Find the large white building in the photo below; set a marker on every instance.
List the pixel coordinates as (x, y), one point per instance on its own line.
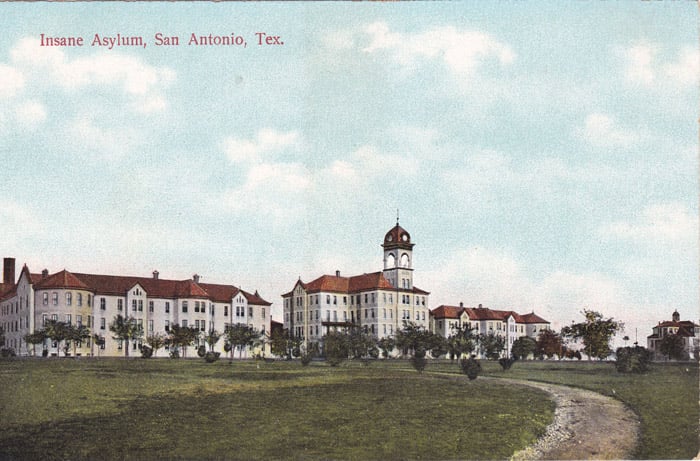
(507, 324)
(378, 302)
(95, 300)
(686, 329)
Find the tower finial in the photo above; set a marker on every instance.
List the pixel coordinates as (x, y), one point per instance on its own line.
(397, 216)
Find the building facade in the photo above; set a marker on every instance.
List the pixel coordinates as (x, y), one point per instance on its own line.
(94, 301)
(689, 331)
(378, 302)
(507, 324)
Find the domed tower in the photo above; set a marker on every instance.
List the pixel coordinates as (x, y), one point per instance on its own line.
(398, 257)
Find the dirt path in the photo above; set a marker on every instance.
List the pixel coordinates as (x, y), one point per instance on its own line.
(586, 425)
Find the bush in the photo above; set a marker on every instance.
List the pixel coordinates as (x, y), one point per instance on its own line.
(418, 360)
(7, 352)
(632, 359)
(227, 347)
(201, 351)
(506, 363)
(306, 358)
(211, 357)
(146, 351)
(175, 354)
(470, 367)
(45, 353)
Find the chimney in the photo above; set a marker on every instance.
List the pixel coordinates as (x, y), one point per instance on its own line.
(195, 277)
(44, 273)
(337, 273)
(9, 271)
(480, 306)
(155, 275)
(461, 304)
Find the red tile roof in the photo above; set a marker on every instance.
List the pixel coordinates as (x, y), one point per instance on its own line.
(349, 285)
(484, 313)
(63, 279)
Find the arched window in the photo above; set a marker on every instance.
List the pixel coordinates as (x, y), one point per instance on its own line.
(391, 260)
(69, 298)
(405, 260)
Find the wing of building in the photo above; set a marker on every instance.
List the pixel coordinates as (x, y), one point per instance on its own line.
(508, 324)
(94, 300)
(378, 302)
(686, 329)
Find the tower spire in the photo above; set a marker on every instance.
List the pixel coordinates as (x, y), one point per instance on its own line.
(397, 216)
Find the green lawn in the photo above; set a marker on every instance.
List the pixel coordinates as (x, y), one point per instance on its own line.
(665, 398)
(157, 409)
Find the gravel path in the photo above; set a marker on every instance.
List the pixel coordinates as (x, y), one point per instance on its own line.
(586, 425)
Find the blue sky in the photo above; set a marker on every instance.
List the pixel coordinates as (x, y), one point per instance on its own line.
(543, 155)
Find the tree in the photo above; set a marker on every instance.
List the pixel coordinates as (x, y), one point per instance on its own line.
(212, 338)
(181, 337)
(125, 329)
(57, 331)
(491, 345)
(283, 343)
(336, 347)
(595, 332)
(38, 337)
(387, 345)
(632, 359)
(156, 341)
(77, 334)
(523, 347)
(361, 343)
(98, 341)
(241, 336)
(461, 341)
(413, 339)
(673, 347)
(548, 343)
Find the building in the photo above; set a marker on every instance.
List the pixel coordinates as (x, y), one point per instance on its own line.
(93, 301)
(378, 302)
(689, 331)
(508, 324)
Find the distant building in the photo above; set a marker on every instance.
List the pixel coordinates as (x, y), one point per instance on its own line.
(508, 324)
(378, 302)
(93, 301)
(689, 331)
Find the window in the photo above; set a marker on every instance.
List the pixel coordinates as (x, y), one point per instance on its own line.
(328, 299)
(140, 305)
(203, 325)
(167, 307)
(103, 304)
(184, 306)
(225, 311)
(184, 324)
(89, 300)
(120, 304)
(69, 298)
(79, 320)
(79, 297)
(335, 300)
(102, 323)
(250, 312)
(150, 306)
(44, 319)
(196, 306)
(68, 319)
(55, 299)
(133, 305)
(150, 325)
(384, 312)
(46, 299)
(196, 324)
(167, 325)
(262, 314)
(365, 298)
(345, 300)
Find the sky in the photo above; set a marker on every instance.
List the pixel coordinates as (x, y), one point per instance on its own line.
(543, 155)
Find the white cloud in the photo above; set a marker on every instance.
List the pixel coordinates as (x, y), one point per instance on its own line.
(11, 81)
(31, 113)
(646, 65)
(106, 142)
(686, 70)
(603, 130)
(267, 142)
(659, 224)
(463, 52)
(137, 79)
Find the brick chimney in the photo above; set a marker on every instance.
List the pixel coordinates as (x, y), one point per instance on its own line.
(155, 275)
(195, 277)
(8, 268)
(337, 273)
(44, 273)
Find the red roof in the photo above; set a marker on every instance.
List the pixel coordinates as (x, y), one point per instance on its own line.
(353, 284)
(484, 313)
(63, 279)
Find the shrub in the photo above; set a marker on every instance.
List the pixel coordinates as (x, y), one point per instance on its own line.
(211, 357)
(470, 367)
(45, 353)
(418, 360)
(146, 351)
(632, 359)
(306, 358)
(7, 352)
(506, 363)
(175, 354)
(201, 351)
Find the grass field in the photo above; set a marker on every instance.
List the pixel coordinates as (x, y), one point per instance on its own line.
(166, 409)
